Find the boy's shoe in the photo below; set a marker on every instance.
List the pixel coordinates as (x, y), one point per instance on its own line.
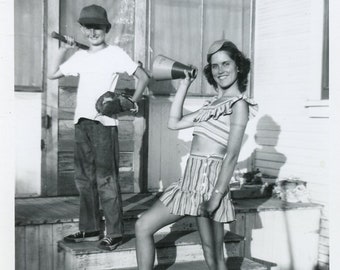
(109, 243)
(83, 237)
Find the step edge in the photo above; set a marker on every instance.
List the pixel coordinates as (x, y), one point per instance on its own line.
(192, 241)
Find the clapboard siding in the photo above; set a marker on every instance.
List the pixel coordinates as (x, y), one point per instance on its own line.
(324, 240)
(286, 58)
(36, 246)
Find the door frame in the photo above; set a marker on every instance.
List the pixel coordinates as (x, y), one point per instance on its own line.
(49, 158)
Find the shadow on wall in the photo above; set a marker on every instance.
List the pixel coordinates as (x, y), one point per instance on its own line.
(269, 161)
(267, 137)
(266, 158)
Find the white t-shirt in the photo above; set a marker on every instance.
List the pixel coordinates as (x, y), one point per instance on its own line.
(98, 73)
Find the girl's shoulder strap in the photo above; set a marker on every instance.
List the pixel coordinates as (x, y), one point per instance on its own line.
(215, 108)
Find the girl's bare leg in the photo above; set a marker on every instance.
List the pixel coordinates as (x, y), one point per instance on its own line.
(212, 237)
(150, 222)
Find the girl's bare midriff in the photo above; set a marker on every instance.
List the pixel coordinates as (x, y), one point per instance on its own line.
(207, 147)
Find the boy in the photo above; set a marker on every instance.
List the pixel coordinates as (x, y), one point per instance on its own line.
(96, 135)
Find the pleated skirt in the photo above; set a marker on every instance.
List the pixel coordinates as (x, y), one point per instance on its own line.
(184, 196)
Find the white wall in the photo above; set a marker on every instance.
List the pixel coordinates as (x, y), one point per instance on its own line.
(287, 75)
(6, 135)
(27, 135)
(335, 134)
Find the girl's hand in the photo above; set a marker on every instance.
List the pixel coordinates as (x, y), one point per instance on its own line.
(209, 207)
(187, 80)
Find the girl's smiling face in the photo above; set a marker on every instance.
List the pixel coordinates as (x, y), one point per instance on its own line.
(95, 34)
(223, 69)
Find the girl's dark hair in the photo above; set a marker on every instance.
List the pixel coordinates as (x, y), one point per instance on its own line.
(242, 63)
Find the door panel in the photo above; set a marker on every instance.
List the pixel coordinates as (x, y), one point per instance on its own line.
(121, 16)
(66, 185)
(58, 164)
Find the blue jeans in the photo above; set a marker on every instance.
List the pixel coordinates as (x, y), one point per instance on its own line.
(96, 176)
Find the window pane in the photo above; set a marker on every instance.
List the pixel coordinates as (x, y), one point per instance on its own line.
(226, 20)
(176, 33)
(28, 44)
(120, 14)
(325, 56)
(183, 31)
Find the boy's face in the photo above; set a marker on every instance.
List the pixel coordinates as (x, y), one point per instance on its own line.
(94, 33)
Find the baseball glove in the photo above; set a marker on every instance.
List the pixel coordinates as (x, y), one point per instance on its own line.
(111, 103)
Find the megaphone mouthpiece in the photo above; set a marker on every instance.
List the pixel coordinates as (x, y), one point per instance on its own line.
(177, 70)
(164, 68)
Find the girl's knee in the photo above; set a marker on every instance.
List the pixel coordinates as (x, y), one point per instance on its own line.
(142, 227)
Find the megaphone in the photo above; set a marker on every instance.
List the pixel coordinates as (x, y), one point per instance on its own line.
(164, 68)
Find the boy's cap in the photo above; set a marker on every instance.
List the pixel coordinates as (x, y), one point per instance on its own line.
(216, 46)
(93, 14)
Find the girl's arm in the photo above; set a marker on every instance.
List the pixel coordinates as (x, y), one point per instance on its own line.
(176, 118)
(238, 123)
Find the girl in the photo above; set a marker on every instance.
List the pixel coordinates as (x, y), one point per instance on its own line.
(203, 191)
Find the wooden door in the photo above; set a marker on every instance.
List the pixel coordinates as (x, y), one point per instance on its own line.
(60, 99)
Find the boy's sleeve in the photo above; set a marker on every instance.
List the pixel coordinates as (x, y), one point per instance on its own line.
(70, 66)
(127, 63)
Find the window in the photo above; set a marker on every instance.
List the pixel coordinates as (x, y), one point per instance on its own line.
(318, 107)
(184, 30)
(28, 45)
(325, 54)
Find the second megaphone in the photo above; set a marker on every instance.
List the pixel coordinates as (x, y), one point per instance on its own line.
(164, 68)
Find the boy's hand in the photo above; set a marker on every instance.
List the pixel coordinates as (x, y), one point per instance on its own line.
(69, 44)
(111, 103)
(70, 40)
(135, 109)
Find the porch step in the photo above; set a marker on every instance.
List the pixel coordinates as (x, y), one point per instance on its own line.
(185, 224)
(174, 247)
(42, 222)
(233, 263)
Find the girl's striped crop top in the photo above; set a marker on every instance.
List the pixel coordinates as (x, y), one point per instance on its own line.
(213, 121)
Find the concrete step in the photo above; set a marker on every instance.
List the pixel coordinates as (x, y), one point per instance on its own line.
(233, 263)
(174, 247)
